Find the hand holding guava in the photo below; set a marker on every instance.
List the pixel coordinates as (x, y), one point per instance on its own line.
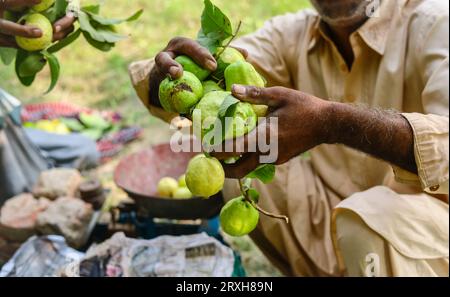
(36, 27)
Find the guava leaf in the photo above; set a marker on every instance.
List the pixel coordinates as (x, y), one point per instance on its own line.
(20, 57)
(7, 55)
(104, 21)
(102, 46)
(32, 64)
(264, 173)
(95, 9)
(65, 42)
(253, 194)
(57, 11)
(54, 69)
(215, 27)
(228, 103)
(97, 31)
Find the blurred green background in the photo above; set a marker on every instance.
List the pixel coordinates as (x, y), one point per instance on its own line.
(93, 78)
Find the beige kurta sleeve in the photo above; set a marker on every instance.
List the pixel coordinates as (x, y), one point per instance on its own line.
(431, 140)
(273, 49)
(139, 74)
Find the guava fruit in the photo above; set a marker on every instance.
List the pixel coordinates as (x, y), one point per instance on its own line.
(189, 65)
(44, 5)
(244, 118)
(205, 176)
(182, 193)
(229, 56)
(211, 86)
(180, 95)
(36, 44)
(260, 110)
(167, 187)
(243, 73)
(238, 217)
(182, 181)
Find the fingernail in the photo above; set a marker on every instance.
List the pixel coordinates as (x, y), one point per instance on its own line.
(211, 65)
(173, 71)
(239, 90)
(37, 32)
(57, 29)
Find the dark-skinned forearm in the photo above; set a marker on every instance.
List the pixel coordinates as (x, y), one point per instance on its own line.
(386, 135)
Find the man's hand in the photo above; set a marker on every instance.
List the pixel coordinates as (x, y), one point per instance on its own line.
(8, 29)
(301, 126)
(305, 121)
(165, 64)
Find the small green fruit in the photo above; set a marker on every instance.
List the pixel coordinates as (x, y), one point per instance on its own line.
(37, 44)
(182, 193)
(180, 95)
(261, 110)
(211, 86)
(243, 73)
(189, 65)
(229, 56)
(238, 217)
(44, 5)
(205, 176)
(167, 187)
(244, 117)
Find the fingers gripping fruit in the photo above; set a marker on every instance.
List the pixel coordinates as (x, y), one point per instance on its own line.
(180, 95)
(36, 44)
(44, 5)
(205, 176)
(238, 217)
(189, 65)
(244, 118)
(167, 187)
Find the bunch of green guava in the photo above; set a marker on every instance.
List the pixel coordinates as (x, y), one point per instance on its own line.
(35, 53)
(205, 97)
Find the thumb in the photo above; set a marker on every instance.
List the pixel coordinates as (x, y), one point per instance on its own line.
(260, 96)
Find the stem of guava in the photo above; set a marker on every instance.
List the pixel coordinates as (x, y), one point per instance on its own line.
(230, 41)
(258, 208)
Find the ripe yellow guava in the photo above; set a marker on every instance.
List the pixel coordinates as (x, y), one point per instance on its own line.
(205, 176)
(238, 217)
(180, 95)
(36, 44)
(182, 193)
(182, 181)
(167, 187)
(44, 5)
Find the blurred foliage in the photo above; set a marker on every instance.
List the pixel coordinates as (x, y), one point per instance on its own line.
(92, 78)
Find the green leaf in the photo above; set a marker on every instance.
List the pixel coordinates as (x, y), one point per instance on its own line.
(20, 57)
(54, 69)
(7, 55)
(73, 124)
(264, 173)
(91, 8)
(97, 31)
(105, 21)
(57, 11)
(215, 27)
(228, 103)
(102, 46)
(253, 194)
(65, 42)
(32, 64)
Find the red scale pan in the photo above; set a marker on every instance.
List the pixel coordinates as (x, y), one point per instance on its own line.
(138, 175)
